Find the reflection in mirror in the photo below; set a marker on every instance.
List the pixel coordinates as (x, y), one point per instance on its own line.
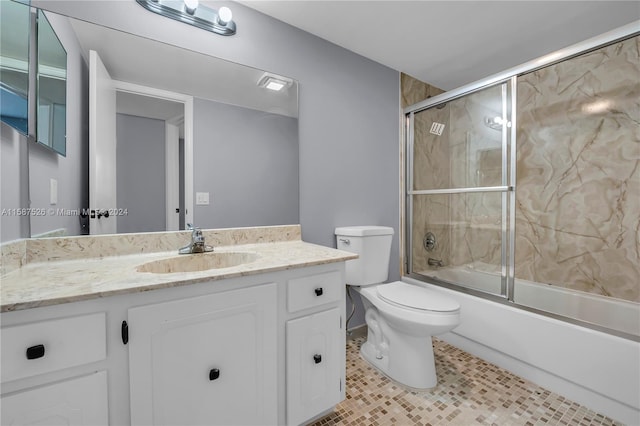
(174, 137)
(52, 88)
(14, 64)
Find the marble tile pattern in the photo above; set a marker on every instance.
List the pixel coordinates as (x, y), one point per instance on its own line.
(59, 277)
(414, 90)
(12, 256)
(470, 391)
(467, 154)
(578, 173)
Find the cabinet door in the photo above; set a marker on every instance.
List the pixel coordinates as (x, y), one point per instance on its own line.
(205, 360)
(76, 402)
(315, 365)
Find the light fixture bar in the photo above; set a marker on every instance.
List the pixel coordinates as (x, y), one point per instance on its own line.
(218, 22)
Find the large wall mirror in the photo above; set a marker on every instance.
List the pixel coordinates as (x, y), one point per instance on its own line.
(174, 137)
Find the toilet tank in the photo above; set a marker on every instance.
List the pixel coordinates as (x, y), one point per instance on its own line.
(373, 245)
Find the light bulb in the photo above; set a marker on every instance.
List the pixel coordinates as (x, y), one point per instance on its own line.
(275, 85)
(191, 6)
(224, 15)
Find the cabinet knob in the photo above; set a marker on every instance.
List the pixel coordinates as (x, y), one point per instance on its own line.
(317, 358)
(318, 291)
(35, 352)
(214, 374)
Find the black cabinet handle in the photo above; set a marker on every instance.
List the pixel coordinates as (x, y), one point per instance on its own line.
(124, 332)
(317, 358)
(35, 352)
(214, 373)
(318, 291)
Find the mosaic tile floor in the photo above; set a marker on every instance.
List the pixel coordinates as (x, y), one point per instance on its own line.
(470, 392)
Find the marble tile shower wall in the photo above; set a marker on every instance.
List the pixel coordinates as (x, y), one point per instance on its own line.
(476, 217)
(433, 217)
(431, 213)
(467, 154)
(578, 173)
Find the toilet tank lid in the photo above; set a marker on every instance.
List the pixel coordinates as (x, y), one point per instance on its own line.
(363, 231)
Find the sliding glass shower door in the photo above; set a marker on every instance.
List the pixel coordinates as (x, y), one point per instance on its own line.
(459, 181)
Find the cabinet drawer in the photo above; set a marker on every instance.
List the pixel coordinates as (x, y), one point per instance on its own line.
(81, 401)
(313, 290)
(52, 345)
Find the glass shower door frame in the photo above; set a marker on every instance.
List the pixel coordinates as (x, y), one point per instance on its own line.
(506, 187)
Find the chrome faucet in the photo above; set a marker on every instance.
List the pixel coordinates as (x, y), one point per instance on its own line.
(435, 262)
(197, 244)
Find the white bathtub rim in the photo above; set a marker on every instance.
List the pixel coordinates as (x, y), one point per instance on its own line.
(584, 307)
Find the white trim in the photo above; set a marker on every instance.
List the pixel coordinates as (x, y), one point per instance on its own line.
(188, 161)
(14, 64)
(172, 172)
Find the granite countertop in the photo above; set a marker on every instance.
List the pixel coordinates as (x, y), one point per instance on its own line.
(38, 283)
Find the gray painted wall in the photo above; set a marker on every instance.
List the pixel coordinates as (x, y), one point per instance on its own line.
(349, 124)
(11, 143)
(140, 173)
(247, 161)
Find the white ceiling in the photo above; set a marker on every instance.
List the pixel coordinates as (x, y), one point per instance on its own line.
(452, 43)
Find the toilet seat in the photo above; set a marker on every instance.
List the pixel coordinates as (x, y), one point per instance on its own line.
(412, 296)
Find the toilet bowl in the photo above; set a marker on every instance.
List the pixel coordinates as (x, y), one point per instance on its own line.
(401, 317)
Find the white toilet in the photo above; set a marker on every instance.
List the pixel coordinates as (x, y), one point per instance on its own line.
(401, 317)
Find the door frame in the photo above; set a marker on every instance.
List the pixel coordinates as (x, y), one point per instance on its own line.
(171, 186)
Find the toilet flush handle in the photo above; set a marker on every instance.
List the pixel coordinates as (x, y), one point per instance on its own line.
(346, 241)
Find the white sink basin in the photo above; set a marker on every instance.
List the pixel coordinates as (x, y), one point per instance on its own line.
(197, 262)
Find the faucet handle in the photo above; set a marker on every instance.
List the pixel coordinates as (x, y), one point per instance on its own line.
(189, 227)
(196, 236)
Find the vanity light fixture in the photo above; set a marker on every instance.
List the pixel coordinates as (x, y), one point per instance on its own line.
(192, 13)
(274, 82)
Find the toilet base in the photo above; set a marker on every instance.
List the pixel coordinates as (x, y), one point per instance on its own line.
(406, 359)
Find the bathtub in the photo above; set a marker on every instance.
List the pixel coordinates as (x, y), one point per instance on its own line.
(607, 312)
(596, 369)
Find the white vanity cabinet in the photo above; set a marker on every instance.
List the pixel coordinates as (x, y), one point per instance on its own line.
(205, 360)
(265, 349)
(315, 344)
